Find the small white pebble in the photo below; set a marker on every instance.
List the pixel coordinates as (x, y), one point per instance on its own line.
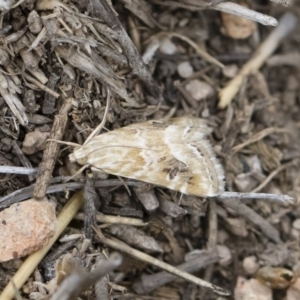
(205, 113)
(185, 69)
(296, 224)
(199, 90)
(96, 104)
(250, 265)
(167, 47)
(6, 4)
(225, 254)
(230, 71)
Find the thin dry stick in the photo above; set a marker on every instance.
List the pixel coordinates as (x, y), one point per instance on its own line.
(286, 25)
(212, 239)
(108, 219)
(28, 266)
(17, 170)
(162, 265)
(100, 126)
(202, 53)
(273, 197)
(51, 152)
(36, 82)
(273, 174)
(102, 10)
(242, 11)
(147, 283)
(80, 282)
(257, 137)
(249, 214)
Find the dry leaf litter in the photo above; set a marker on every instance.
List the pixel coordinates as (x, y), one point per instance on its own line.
(67, 66)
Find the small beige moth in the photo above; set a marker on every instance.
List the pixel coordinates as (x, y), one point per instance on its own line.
(175, 154)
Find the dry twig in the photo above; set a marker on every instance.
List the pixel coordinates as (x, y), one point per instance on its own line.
(113, 243)
(50, 154)
(286, 25)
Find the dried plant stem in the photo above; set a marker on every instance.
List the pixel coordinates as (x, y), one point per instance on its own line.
(274, 197)
(101, 125)
(102, 10)
(286, 25)
(17, 170)
(28, 266)
(50, 153)
(147, 283)
(23, 159)
(77, 283)
(114, 220)
(273, 174)
(242, 11)
(26, 192)
(249, 214)
(212, 240)
(113, 243)
(257, 137)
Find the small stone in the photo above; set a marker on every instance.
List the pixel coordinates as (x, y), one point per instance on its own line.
(237, 27)
(34, 141)
(296, 224)
(199, 90)
(230, 71)
(185, 69)
(237, 226)
(250, 265)
(26, 227)
(225, 254)
(167, 47)
(251, 289)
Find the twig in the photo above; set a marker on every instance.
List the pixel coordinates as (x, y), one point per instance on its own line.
(77, 283)
(23, 159)
(257, 137)
(286, 25)
(90, 196)
(28, 266)
(273, 174)
(147, 283)
(101, 125)
(162, 265)
(17, 170)
(249, 214)
(102, 10)
(212, 239)
(107, 219)
(36, 82)
(51, 152)
(273, 197)
(242, 11)
(27, 192)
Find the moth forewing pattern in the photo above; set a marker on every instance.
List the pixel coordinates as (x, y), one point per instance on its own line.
(175, 154)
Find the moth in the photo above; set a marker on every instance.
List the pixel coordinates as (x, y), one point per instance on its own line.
(175, 154)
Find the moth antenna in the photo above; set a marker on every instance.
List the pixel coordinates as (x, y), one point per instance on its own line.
(125, 185)
(112, 146)
(101, 125)
(64, 143)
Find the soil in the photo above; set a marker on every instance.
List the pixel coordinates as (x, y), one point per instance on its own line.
(67, 66)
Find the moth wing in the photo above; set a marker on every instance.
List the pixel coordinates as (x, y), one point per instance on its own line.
(190, 169)
(175, 154)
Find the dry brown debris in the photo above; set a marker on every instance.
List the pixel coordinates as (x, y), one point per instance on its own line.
(72, 68)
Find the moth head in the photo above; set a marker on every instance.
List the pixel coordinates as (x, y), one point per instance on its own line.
(80, 160)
